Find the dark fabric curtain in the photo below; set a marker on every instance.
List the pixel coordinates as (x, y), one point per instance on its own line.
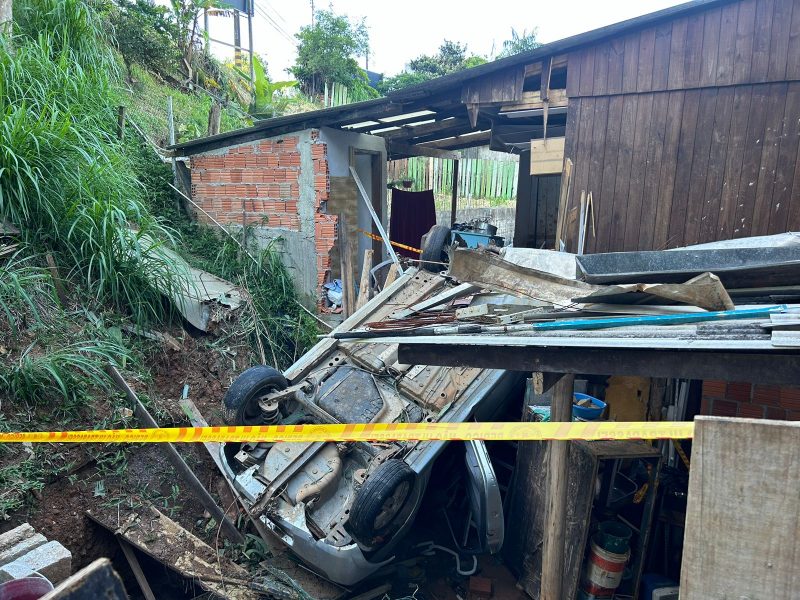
(413, 214)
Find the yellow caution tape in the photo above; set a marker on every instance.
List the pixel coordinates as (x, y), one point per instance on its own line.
(379, 432)
(395, 244)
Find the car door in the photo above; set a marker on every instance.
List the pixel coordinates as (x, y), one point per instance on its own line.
(486, 504)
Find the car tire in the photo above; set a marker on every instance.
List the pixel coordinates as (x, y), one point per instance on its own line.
(434, 250)
(382, 498)
(240, 403)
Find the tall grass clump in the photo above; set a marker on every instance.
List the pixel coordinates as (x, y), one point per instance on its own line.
(21, 284)
(64, 178)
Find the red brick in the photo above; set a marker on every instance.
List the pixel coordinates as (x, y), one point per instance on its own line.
(739, 392)
(751, 411)
(725, 408)
(790, 398)
(775, 413)
(706, 405)
(769, 395)
(714, 389)
(793, 415)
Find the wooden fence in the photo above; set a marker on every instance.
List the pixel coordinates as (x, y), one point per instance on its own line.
(481, 182)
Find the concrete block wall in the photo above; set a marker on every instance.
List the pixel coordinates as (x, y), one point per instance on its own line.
(737, 399)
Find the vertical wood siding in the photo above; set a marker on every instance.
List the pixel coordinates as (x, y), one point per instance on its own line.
(689, 131)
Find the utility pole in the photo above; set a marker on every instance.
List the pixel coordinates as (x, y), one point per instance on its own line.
(206, 43)
(312, 13)
(251, 6)
(237, 40)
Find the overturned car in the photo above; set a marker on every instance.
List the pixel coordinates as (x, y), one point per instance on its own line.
(343, 508)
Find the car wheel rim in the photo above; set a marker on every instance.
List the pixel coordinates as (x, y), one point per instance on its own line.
(392, 506)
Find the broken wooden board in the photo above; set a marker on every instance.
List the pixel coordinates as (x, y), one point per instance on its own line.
(158, 536)
(741, 516)
(487, 269)
(705, 291)
(97, 580)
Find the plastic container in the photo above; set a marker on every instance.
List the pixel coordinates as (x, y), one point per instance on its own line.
(587, 413)
(603, 571)
(614, 536)
(25, 588)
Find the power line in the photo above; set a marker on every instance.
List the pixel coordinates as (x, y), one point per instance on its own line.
(270, 21)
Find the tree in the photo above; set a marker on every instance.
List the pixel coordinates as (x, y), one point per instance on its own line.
(186, 17)
(452, 57)
(519, 43)
(145, 34)
(326, 52)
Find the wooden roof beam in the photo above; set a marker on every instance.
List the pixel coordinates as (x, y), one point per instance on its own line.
(476, 138)
(400, 150)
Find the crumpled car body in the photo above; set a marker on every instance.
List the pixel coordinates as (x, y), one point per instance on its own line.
(343, 508)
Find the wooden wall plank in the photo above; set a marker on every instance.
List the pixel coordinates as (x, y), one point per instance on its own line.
(573, 73)
(630, 63)
(770, 142)
(644, 78)
(587, 72)
(666, 187)
(677, 222)
(742, 99)
(712, 195)
(761, 40)
(745, 29)
(616, 57)
(677, 50)
(709, 53)
(580, 170)
(779, 40)
(751, 162)
(793, 53)
(604, 198)
(699, 170)
(785, 175)
(655, 148)
(619, 215)
(638, 172)
(726, 50)
(741, 544)
(693, 49)
(661, 56)
(597, 154)
(601, 54)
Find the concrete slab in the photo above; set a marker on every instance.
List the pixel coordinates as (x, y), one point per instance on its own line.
(51, 560)
(15, 536)
(22, 548)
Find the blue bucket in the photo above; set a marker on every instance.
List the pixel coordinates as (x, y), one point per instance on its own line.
(587, 413)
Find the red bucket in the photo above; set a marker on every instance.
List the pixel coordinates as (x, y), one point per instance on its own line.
(26, 588)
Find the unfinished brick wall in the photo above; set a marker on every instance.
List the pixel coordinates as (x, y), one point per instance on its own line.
(248, 182)
(732, 399)
(281, 183)
(324, 224)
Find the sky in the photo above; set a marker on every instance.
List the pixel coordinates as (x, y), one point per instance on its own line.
(400, 31)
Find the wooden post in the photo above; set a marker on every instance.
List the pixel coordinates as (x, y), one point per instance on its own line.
(214, 118)
(346, 267)
(454, 197)
(363, 290)
(555, 523)
(120, 122)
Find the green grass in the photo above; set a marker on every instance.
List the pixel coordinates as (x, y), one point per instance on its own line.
(146, 97)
